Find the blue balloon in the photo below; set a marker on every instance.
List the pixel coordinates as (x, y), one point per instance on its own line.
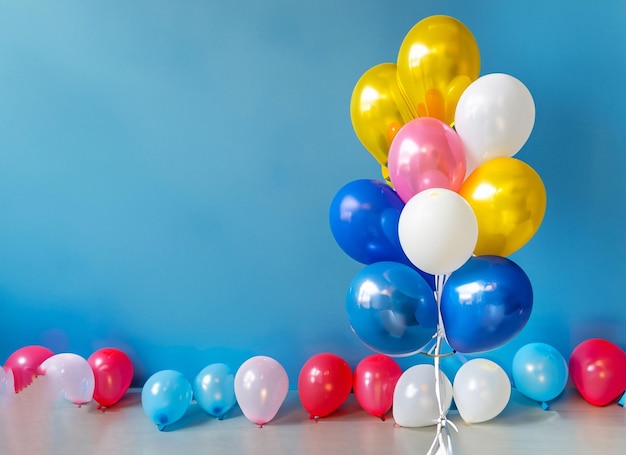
(165, 397)
(392, 309)
(214, 389)
(485, 303)
(364, 217)
(539, 371)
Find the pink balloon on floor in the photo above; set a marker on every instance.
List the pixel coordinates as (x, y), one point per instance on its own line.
(70, 376)
(6, 382)
(261, 386)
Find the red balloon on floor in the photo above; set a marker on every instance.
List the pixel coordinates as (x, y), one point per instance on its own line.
(324, 383)
(113, 373)
(598, 371)
(375, 379)
(25, 363)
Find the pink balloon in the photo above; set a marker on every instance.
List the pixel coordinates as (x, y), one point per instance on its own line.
(375, 379)
(24, 362)
(261, 385)
(71, 376)
(6, 382)
(426, 153)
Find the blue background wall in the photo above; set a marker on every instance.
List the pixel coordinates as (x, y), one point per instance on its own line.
(166, 170)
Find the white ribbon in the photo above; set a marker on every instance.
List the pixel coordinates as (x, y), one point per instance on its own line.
(442, 444)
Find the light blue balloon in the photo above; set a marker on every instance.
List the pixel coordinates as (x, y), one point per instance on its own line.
(214, 389)
(539, 371)
(165, 397)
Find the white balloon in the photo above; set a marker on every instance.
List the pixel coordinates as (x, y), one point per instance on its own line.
(415, 398)
(438, 231)
(261, 385)
(481, 390)
(494, 117)
(71, 376)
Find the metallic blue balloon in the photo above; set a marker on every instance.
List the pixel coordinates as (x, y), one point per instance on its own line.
(214, 389)
(392, 309)
(364, 218)
(485, 303)
(539, 371)
(165, 397)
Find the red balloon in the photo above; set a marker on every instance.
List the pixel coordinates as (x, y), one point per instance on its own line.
(113, 373)
(25, 362)
(324, 383)
(598, 371)
(375, 379)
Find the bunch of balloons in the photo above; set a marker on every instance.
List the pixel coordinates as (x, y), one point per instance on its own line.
(454, 204)
(435, 235)
(104, 377)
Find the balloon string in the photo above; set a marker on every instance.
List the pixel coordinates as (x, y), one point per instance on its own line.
(441, 444)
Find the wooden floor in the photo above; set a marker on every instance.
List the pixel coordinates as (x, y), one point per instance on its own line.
(31, 424)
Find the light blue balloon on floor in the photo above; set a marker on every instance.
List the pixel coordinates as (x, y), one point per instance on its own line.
(539, 372)
(165, 397)
(214, 389)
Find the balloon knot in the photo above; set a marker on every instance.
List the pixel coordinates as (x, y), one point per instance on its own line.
(544, 406)
(443, 422)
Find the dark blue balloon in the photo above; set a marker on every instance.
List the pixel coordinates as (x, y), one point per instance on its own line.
(364, 218)
(485, 303)
(392, 309)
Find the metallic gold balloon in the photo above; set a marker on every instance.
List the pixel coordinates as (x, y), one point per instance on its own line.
(437, 61)
(509, 200)
(377, 110)
(384, 171)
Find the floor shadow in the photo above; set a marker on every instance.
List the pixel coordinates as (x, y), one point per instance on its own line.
(127, 401)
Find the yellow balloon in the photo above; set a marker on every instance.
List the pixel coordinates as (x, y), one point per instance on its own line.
(509, 200)
(377, 110)
(437, 61)
(384, 171)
